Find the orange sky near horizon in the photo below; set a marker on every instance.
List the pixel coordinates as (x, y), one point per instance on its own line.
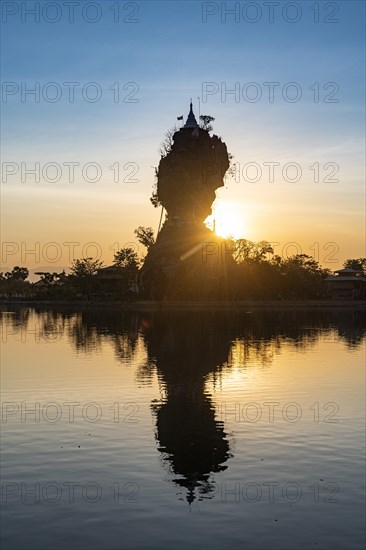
(45, 226)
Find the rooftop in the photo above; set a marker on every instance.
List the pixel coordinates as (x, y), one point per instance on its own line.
(347, 271)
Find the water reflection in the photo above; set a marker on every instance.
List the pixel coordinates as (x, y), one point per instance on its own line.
(88, 329)
(192, 441)
(185, 351)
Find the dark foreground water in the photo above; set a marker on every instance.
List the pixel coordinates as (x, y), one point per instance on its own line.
(182, 430)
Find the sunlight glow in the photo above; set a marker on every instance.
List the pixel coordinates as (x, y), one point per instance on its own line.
(228, 220)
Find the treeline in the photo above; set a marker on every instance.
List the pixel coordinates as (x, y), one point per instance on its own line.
(252, 272)
(256, 274)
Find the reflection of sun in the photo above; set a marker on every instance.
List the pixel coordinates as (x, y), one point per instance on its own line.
(227, 218)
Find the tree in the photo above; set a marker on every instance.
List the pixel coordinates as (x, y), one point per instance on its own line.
(168, 141)
(246, 250)
(82, 274)
(154, 197)
(206, 122)
(145, 236)
(303, 276)
(358, 264)
(53, 285)
(51, 278)
(17, 274)
(126, 258)
(128, 263)
(13, 283)
(85, 268)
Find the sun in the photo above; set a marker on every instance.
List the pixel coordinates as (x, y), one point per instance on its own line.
(227, 220)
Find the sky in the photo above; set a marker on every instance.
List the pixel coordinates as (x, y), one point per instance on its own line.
(285, 82)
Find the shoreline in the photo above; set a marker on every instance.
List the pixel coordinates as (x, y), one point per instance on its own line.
(196, 305)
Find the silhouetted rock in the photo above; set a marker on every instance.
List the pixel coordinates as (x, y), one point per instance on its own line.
(188, 176)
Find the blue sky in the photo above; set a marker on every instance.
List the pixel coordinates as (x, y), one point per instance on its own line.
(169, 53)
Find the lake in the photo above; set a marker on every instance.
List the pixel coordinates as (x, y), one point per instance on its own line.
(239, 430)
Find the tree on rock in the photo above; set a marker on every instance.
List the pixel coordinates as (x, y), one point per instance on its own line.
(145, 236)
(206, 122)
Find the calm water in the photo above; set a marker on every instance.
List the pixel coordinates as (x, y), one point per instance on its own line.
(182, 430)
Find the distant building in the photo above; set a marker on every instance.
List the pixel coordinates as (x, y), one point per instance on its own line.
(347, 284)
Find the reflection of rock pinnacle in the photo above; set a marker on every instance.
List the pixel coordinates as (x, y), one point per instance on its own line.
(192, 441)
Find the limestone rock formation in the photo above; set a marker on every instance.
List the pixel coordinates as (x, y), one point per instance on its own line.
(187, 178)
(190, 173)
